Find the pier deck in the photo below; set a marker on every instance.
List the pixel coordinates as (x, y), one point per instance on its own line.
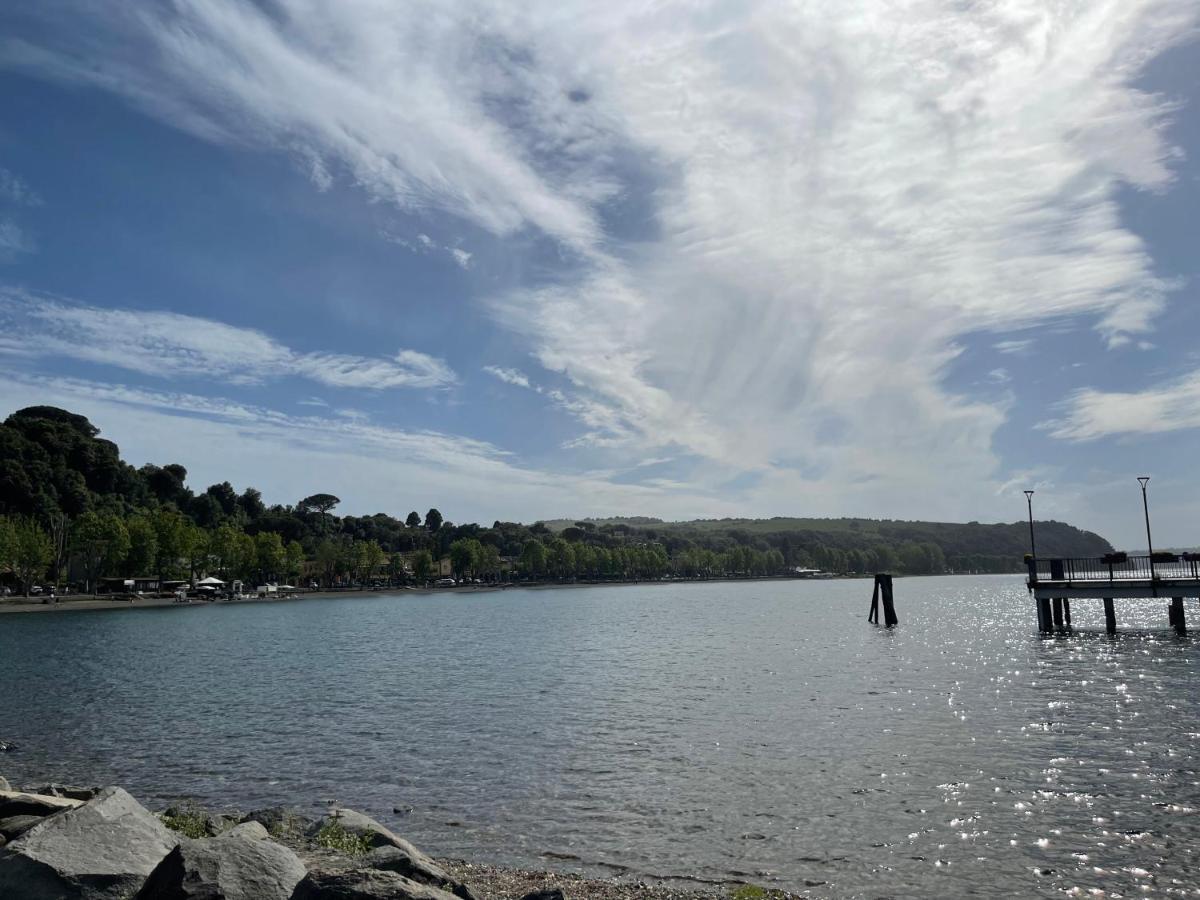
(1054, 583)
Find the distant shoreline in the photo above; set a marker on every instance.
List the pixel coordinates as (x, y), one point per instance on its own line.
(88, 603)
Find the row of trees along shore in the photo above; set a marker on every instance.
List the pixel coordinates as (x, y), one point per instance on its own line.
(69, 505)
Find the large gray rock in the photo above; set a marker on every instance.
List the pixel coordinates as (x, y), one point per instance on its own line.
(65, 790)
(378, 835)
(239, 865)
(279, 820)
(365, 884)
(15, 826)
(25, 803)
(102, 850)
(418, 867)
(4, 785)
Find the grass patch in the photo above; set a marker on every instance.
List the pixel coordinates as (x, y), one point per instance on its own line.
(335, 837)
(754, 892)
(187, 819)
(289, 826)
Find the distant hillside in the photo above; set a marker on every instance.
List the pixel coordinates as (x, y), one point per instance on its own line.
(970, 546)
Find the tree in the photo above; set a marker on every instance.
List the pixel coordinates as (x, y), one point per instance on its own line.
(373, 557)
(294, 562)
(465, 555)
(327, 559)
(99, 539)
(322, 503)
(32, 552)
(268, 549)
(169, 528)
(413, 520)
(561, 558)
(489, 561)
(533, 558)
(195, 549)
(433, 520)
(143, 545)
(422, 565)
(223, 545)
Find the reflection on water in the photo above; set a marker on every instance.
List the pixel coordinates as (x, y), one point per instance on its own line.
(742, 730)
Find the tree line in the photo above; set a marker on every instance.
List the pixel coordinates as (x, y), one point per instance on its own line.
(69, 503)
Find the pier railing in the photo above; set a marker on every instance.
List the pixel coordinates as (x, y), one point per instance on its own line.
(1116, 567)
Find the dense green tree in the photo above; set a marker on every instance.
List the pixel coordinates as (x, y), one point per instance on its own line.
(422, 565)
(533, 557)
(270, 554)
(433, 520)
(100, 539)
(294, 559)
(465, 556)
(413, 520)
(143, 545)
(322, 503)
(32, 552)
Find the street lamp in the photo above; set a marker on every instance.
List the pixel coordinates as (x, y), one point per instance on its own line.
(1142, 479)
(1032, 545)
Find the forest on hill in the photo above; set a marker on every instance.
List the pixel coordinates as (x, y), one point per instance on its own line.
(70, 504)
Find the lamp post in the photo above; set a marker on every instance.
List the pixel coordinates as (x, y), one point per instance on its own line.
(1032, 545)
(1142, 479)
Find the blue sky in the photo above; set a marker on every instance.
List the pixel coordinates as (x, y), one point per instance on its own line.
(531, 260)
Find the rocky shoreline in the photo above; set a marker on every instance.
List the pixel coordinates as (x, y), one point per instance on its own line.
(101, 844)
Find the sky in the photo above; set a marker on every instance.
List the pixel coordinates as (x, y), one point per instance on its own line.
(898, 259)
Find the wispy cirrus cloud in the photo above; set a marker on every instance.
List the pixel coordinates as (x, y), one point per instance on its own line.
(1091, 414)
(166, 344)
(826, 198)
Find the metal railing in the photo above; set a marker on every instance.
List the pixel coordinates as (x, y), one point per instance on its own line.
(1116, 567)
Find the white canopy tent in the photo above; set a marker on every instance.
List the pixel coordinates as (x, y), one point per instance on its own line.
(210, 581)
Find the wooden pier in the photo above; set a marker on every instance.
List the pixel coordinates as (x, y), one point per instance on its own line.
(1054, 583)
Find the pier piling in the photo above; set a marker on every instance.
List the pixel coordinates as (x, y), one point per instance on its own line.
(883, 591)
(1058, 614)
(1110, 616)
(1045, 623)
(1176, 615)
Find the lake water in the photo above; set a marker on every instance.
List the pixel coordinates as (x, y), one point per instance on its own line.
(758, 731)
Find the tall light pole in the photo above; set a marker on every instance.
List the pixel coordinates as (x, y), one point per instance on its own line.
(1142, 479)
(1032, 545)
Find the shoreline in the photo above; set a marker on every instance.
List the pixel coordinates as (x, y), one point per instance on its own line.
(89, 603)
(274, 853)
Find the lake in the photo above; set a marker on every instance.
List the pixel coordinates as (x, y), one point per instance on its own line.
(747, 730)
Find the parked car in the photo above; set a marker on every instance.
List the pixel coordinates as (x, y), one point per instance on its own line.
(35, 590)
(445, 582)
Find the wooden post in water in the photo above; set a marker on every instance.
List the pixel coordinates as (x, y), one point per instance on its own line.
(1176, 615)
(1110, 616)
(1045, 623)
(1058, 614)
(883, 591)
(1067, 612)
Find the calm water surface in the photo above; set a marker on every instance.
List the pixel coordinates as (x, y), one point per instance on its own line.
(755, 731)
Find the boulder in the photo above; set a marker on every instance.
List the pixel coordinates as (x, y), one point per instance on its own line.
(378, 835)
(23, 803)
(242, 864)
(251, 830)
(65, 790)
(4, 785)
(419, 868)
(365, 884)
(15, 826)
(100, 850)
(279, 819)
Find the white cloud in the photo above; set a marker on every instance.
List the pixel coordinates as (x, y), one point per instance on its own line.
(1091, 414)
(1014, 347)
(14, 241)
(171, 345)
(509, 376)
(372, 467)
(833, 195)
(13, 189)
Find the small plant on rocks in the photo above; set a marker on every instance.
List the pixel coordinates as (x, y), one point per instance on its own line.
(335, 836)
(187, 819)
